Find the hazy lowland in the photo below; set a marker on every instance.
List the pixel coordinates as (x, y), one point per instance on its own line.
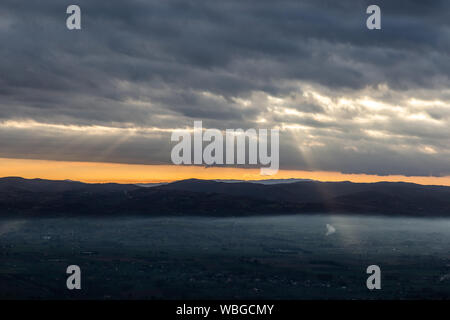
(236, 254)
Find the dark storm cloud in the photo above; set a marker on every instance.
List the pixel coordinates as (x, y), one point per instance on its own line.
(163, 64)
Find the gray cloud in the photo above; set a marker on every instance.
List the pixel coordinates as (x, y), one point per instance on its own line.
(305, 66)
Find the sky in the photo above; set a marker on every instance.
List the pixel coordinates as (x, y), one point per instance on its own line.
(350, 103)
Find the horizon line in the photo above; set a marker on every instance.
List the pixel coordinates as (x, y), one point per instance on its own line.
(106, 172)
(219, 180)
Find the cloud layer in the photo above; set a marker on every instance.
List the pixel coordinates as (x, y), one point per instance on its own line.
(345, 98)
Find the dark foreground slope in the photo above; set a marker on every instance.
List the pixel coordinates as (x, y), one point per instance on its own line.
(201, 197)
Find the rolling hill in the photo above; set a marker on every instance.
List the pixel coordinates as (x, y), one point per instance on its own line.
(22, 197)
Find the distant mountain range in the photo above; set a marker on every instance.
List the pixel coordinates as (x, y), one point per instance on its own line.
(267, 181)
(22, 197)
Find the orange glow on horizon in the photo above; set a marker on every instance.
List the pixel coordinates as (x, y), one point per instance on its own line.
(96, 172)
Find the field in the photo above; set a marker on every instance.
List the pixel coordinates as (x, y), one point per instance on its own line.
(279, 257)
